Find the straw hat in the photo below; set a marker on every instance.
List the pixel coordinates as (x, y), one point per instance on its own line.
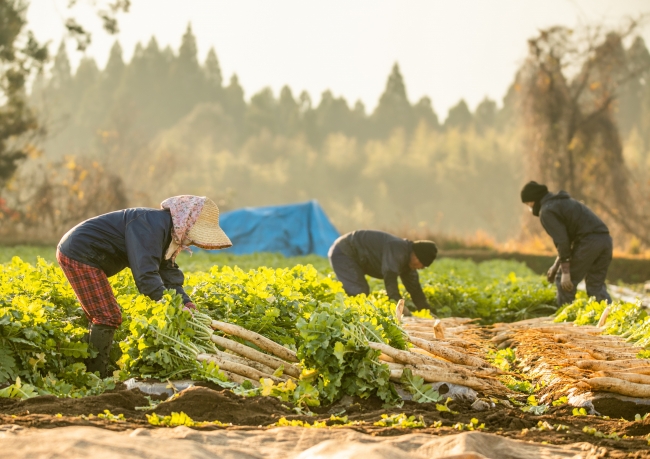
(206, 232)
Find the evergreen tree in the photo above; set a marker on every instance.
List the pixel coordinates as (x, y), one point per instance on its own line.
(141, 92)
(262, 112)
(288, 113)
(213, 77)
(106, 91)
(59, 104)
(78, 133)
(234, 103)
(423, 112)
(332, 115)
(394, 109)
(459, 116)
(85, 78)
(486, 115)
(61, 79)
(114, 68)
(187, 79)
(187, 53)
(304, 102)
(157, 89)
(360, 125)
(308, 118)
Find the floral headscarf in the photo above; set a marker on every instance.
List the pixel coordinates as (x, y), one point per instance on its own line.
(185, 210)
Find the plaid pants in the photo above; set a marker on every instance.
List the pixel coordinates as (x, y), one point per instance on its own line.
(95, 294)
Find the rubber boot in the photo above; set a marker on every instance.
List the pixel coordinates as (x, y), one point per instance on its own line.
(101, 337)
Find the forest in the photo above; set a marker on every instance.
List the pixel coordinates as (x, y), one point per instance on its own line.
(576, 116)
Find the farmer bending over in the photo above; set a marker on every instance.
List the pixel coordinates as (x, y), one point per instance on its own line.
(145, 240)
(582, 240)
(383, 256)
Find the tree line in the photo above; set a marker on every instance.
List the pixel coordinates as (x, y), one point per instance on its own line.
(158, 87)
(167, 123)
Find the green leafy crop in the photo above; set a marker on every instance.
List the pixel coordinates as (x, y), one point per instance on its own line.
(43, 330)
(629, 320)
(494, 291)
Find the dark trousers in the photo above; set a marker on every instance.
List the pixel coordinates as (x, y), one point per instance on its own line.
(590, 259)
(348, 272)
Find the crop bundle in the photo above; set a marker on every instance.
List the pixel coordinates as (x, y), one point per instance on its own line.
(438, 355)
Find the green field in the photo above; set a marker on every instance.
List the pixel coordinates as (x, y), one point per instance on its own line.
(197, 261)
(293, 301)
(296, 302)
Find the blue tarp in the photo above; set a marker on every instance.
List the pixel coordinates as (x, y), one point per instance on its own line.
(294, 229)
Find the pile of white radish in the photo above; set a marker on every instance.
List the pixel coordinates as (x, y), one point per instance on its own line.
(564, 357)
(433, 357)
(438, 356)
(243, 363)
(570, 358)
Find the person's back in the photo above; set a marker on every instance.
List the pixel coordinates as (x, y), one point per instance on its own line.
(383, 256)
(577, 219)
(369, 247)
(102, 241)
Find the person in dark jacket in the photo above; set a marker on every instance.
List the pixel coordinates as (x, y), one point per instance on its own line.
(582, 240)
(383, 256)
(145, 240)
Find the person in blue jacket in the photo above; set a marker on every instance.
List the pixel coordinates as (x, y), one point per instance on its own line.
(145, 240)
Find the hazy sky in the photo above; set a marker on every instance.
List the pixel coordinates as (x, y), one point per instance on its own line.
(447, 49)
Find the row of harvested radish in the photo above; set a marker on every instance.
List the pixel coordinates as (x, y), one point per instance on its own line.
(433, 357)
(438, 356)
(244, 363)
(580, 356)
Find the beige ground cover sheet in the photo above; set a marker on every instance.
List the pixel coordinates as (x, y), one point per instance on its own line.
(278, 443)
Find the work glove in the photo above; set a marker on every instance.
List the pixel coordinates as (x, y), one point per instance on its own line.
(565, 281)
(400, 309)
(552, 271)
(189, 306)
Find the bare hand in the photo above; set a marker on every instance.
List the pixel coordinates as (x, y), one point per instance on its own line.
(565, 282)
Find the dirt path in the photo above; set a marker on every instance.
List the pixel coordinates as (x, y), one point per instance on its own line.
(205, 404)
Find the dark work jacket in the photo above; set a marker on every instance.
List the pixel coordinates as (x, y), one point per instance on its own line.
(131, 238)
(384, 256)
(567, 221)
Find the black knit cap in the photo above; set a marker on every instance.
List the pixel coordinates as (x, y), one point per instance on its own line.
(426, 251)
(533, 192)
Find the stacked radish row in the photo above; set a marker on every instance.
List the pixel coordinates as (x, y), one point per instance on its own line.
(439, 355)
(244, 363)
(571, 359)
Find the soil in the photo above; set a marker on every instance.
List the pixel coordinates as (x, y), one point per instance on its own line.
(615, 407)
(209, 404)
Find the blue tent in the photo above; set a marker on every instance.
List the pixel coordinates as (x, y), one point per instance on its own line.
(294, 229)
